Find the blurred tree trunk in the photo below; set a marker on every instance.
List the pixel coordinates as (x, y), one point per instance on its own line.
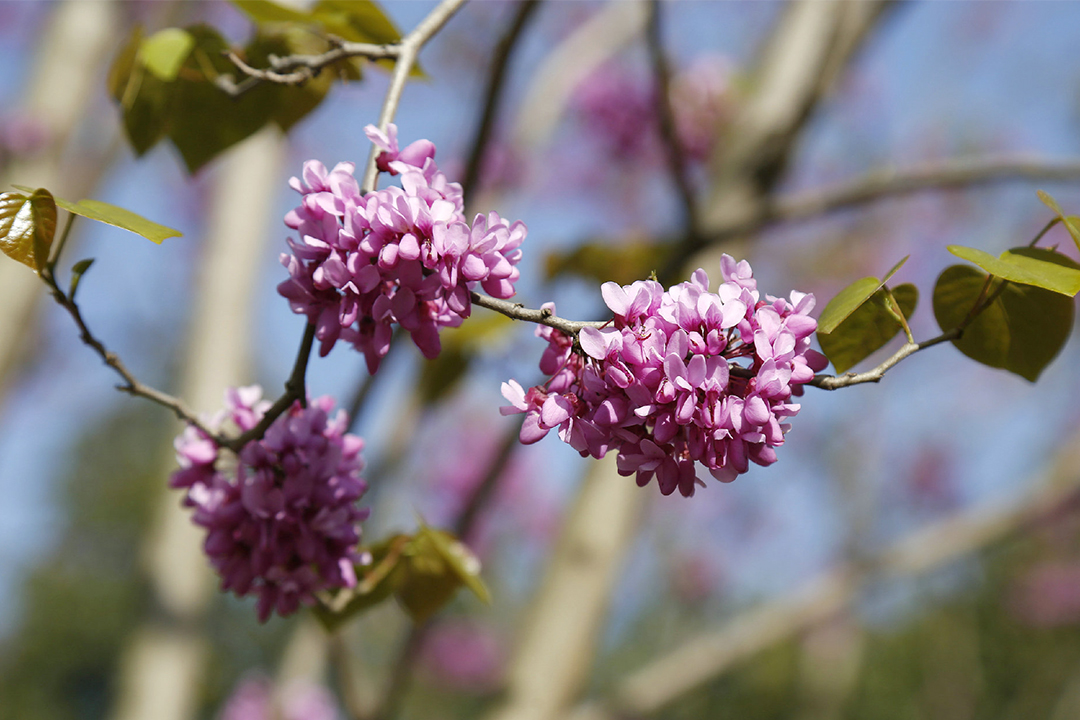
(67, 76)
(164, 661)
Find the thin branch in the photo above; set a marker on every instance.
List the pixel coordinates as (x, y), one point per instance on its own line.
(298, 69)
(295, 390)
(131, 384)
(711, 653)
(543, 316)
(834, 382)
(408, 50)
(673, 151)
(493, 93)
(883, 184)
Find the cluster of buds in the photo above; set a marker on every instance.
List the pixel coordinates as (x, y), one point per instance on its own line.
(281, 519)
(402, 255)
(679, 377)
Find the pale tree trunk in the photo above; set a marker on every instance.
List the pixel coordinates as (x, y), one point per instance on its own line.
(807, 51)
(66, 77)
(557, 642)
(163, 664)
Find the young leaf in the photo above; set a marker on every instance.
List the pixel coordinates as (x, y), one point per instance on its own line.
(264, 11)
(356, 20)
(461, 560)
(77, 271)
(205, 121)
(165, 52)
(1071, 222)
(429, 581)
(1024, 268)
(1021, 331)
(117, 217)
(27, 226)
(846, 302)
(143, 98)
(867, 328)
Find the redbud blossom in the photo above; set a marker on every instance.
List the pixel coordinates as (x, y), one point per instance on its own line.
(401, 255)
(660, 385)
(281, 519)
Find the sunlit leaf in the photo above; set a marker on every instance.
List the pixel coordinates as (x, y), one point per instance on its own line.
(1021, 331)
(204, 121)
(850, 298)
(461, 560)
(1071, 222)
(117, 217)
(1019, 266)
(143, 98)
(356, 20)
(867, 328)
(164, 52)
(429, 581)
(27, 226)
(264, 11)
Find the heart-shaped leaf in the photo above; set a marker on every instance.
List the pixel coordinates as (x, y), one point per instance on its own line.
(376, 581)
(165, 52)
(1071, 222)
(850, 298)
(1019, 266)
(27, 226)
(867, 328)
(116, 216)
(1021, 331)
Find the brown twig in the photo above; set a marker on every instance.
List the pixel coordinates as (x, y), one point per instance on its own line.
(673, 151)
(542, 316)
(884, 184)
(496, 82)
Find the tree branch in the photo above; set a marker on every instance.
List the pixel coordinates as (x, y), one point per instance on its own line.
(543, 316)
(493, 93)
(883, 184)
(673, 151)
(131, 384)
(408, 49)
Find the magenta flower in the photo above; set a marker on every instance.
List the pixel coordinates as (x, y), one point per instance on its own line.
(282, 523)
(680, 377)
(401, 256)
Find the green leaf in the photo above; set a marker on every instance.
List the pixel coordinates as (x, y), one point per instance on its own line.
(165, 52)
(77, 271)
(203, 120)
(461, 560)
(356, 20)
(116, 216)
(376, 581)
(867, 328)
(850, 298)
(846, 302)
(294, 102)
(143, 98)
(1026, 269)
(1021, 331)
(1071, 222)
(27, 226)
(264, 11)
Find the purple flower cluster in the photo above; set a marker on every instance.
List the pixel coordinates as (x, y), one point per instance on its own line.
(678, 377)
(283, 521)
(403, 255)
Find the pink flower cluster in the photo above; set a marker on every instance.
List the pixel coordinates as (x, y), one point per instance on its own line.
(678, 377)
(403, 255)
(281, 520)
